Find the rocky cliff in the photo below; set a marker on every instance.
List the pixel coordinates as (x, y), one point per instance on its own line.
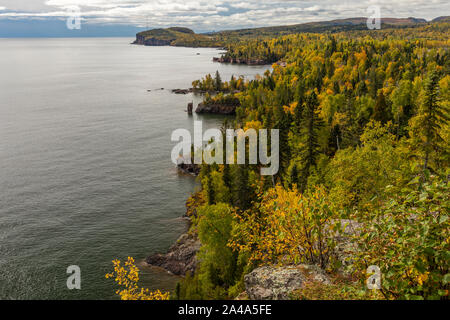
(215, 108)
(181, 257)
(142, 40)
(277, 283)
(250, 62)
(192, 169)
(175, 36)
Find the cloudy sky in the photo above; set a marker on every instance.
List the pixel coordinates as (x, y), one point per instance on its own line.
(209, 15)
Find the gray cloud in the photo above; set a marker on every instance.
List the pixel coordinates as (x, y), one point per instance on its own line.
(217, 14)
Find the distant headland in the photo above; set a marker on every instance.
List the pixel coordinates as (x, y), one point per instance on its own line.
(185, 37)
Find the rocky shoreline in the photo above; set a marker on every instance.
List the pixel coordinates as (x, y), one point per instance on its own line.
(216, 108)
(192, 169)
(183, 91)
(265, 282)
(181, 258)
(141, 40)
(250, 62)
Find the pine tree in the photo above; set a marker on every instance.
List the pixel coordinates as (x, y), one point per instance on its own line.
(243, 194)
(293, 175)
(426, 125)
(282, 122)
(381, 112)
(299, 97)
(310, 132)
(205, 175)
(227, 181)
(233, 83)
(218, 81)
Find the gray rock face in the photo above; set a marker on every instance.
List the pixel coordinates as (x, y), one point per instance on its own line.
(142, 40)
(181, 257)
(192, 169)
(182, 91)
(190, 107)
(241, 61)
(345, 249)
(216, 109)
(277, 283)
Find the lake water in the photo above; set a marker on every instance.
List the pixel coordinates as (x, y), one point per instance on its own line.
(85, 168)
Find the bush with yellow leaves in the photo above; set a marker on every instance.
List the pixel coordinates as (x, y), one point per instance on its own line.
(126, 275)
(288, 227)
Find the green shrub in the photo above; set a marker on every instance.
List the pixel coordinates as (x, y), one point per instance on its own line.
(408, 239)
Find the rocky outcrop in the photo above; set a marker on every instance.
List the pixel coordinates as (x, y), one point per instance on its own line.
(182, 91)
(181, 257)
(186, 165)
(176, 36)
(192, 169)
(277, 283)
(250, 62)
(216, 108)
(190, 108)
(142, 40)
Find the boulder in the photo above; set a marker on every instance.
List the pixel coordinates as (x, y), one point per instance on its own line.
(277, 283)
(181, 257)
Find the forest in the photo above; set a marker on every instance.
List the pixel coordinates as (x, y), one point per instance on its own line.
(364, 130)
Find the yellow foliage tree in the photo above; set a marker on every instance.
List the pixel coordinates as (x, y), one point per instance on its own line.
(290, 227)
(126, 275)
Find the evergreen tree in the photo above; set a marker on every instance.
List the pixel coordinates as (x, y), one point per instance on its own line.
(381, 112)
(218, 82)
(293, 175)
(427, 124)
(228, 181)
(243, 193)
(233, 83)
(299, 97)
(311, 148)
(205, 175)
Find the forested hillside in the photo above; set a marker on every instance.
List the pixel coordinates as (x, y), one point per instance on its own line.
(364, 130)
(332, 26)
(179, 36)
(271, 50)
(363, 119)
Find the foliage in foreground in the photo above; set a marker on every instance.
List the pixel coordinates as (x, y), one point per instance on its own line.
(126, 275)
(221, 269)
(409, 239)
(340, 289)
(288, 227)
(360, 116)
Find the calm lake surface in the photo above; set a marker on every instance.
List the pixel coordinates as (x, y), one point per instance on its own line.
(85, 168)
